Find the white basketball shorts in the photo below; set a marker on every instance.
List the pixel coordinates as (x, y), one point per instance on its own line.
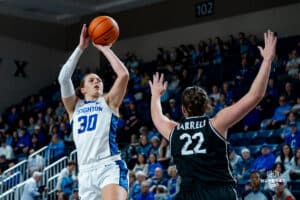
(93, 177)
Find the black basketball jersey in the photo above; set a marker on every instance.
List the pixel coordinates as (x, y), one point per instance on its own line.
(200, 153)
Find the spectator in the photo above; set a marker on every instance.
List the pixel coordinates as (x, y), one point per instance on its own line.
(62, 196)
(162, 193)
(255, 191)
(35, 163)
(164, 156)
(153, 164)
(252, 120)
(41, 136)
(155, 141)
(66, 179)
(280, 113)
(292, 65)
(295, 169)
(8, 138)
(6, 150)
(136, 188)
(144, 147)
(281, 192)
(278, 173)
(296, 107)
(285, 157)
(243, 167)
(234, 158)
(132, 179)
(272, 90)
(200, 78)
(228, 93)
(220, 104)
(3, 125)
(31, 190)
(60, 110)
(141, 164)
(75, 195)
(286, 127)
(35, 144)
(40, 105)
(55, 149)
(174, 110)
(31, 126)
(264, 162)
(293, 139)
(289, 93)
(146, 194)
(24, 141)
(215, 93)
(174, 181)
(158, 178)
(12, 116)
(3, 164)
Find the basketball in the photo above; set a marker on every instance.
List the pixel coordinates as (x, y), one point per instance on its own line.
(103, 30)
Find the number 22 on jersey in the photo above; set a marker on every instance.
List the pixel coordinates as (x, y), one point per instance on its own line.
(186, 149)
(87, 123)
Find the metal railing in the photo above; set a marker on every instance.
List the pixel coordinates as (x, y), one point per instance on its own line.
(19, 190)
(14, 193)
(10, 181)
(8, 195)
(73, 156)
(20, 167)
(54, 169)
(51, 184)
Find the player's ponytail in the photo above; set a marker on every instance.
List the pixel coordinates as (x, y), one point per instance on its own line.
(194, 100)
(78, 89)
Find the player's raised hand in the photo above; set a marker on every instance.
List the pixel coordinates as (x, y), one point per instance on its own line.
(84, 38)
(158, 85)
(268, 53)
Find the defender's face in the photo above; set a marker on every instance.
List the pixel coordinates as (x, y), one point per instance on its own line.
(93, 86)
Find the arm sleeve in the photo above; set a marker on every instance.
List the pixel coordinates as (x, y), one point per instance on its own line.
(64, 78)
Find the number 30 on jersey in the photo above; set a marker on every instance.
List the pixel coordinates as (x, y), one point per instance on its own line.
(87, 123)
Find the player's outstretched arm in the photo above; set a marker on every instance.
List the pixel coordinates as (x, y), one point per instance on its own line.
(66, 86)
(117, 92)
(232, 114)
(162, 123)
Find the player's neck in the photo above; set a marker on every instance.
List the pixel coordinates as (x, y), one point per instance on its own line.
(91, 98)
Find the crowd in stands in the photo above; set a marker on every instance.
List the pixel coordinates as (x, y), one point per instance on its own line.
(225, 68)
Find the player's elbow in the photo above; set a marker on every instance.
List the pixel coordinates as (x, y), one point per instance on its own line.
(124, 75)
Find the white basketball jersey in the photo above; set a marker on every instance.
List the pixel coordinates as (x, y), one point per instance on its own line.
(94, 131)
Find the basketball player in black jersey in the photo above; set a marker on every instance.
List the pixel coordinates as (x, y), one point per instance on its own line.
(198, 144)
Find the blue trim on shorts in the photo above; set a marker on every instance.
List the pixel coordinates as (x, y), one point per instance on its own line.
(113, 135)
(123, 180)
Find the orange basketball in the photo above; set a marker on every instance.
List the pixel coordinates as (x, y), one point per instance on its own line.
(103, 30)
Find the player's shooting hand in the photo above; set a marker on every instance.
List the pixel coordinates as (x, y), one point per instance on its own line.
(158, 85)
(101, 47)
(268, 53)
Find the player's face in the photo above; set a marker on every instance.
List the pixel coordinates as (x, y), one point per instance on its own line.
(93, 86)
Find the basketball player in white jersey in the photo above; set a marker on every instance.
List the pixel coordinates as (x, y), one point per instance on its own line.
(94, 123)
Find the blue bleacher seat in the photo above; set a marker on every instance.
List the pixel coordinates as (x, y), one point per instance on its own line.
(254, 150)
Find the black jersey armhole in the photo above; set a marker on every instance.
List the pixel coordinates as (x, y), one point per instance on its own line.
(217, 132)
